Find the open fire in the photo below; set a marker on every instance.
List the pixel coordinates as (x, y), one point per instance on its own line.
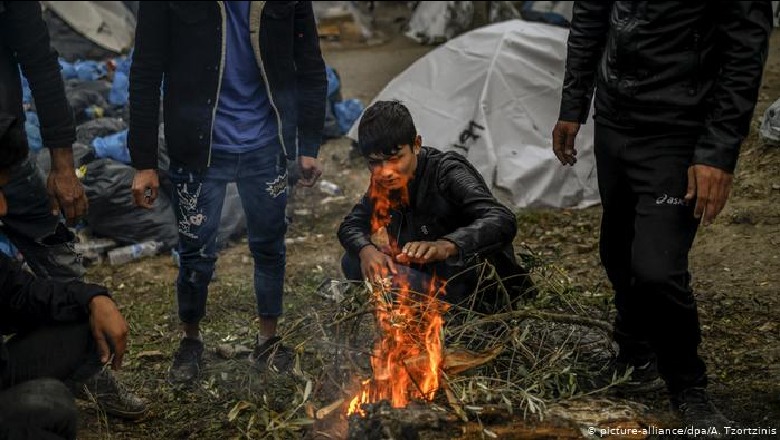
(407, 358)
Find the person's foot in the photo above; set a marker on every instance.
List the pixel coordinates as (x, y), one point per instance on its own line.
(110, 395)
(272, 353)
(641, 377)
(186, 362)
(695, 409)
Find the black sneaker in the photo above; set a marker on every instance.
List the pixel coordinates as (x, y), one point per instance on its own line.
(272, 353)
(186, 361)
(695, 408)
(110, 395)
(642, 378)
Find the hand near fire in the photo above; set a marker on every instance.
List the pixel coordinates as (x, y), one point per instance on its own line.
(426, 251)
(376, 265)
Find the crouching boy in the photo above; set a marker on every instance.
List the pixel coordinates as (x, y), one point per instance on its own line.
(428, 212)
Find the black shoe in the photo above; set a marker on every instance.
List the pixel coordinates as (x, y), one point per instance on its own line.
(110, 395)
(630, 378)
(272, 353)
(186, 361)
(695, 409)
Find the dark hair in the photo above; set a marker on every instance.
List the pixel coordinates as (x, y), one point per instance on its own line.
(384, 127)
(13, 141)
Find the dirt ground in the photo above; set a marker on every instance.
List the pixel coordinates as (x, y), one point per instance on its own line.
(735, 264)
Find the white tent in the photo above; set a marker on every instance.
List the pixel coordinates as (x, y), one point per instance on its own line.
(493, 94)
(108, 24)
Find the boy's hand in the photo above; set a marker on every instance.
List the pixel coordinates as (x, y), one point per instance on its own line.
(109, 329)
(426, 251)
(375, 265)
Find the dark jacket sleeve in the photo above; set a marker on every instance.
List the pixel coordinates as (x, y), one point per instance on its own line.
(355, 231)
(311, 81)
(26, 34)
(25, 298)
(146, 76)
(587, 37)
(491, 224)
(742, 42)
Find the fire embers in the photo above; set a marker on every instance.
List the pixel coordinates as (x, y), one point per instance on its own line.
(407, 359)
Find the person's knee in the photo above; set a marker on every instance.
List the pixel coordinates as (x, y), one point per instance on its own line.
(654, 274)
(46, 404)
(350, 267)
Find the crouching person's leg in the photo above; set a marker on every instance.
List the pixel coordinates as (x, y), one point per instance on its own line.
(350, 267)
(38, 409)
(69, 353)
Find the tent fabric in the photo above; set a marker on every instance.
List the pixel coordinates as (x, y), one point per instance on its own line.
(108, 24)
(493, 95)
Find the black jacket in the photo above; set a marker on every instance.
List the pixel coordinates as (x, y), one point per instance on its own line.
(24, 42)
(27, 302)
(184, 43)
(664, 65)
(448, 199)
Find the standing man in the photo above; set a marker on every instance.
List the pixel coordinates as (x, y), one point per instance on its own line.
(244, 90)
(676, 84)
(33, 221)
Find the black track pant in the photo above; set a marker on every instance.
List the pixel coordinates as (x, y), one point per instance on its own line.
(647, 230)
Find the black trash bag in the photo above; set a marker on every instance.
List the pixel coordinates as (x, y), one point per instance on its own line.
(88, 99)
(88, 131)
(112, 213)
(82, 154)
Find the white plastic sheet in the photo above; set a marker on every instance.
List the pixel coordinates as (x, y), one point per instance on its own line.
(493, 94)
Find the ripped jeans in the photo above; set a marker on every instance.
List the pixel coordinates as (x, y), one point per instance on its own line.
(42, 238)
(261, 178)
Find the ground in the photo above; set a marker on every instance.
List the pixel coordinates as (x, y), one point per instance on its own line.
(735, 265)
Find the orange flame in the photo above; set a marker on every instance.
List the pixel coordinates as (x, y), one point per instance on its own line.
(407, 358)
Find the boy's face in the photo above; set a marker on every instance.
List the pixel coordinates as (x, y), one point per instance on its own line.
(395, 172)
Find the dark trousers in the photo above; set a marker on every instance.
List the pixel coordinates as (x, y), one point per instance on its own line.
(42, 238)
(647, 230)
(34, 402)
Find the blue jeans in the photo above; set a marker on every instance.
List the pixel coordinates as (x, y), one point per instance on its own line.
(42, 238)
(261, 178)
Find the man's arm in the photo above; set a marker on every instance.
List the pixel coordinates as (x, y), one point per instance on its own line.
(742, 42)
(355, 230)
(28, 36)
(26, 300)
(146, 75)
(311, 79)
(492, 225)
(742, 38)
(587, 37)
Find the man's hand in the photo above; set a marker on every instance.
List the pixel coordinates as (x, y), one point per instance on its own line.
(375, 265)
(66, 194)
(109, 329)
(563, 136)
(310, 170)
(711, 187)
(426, 251)
(146, 185)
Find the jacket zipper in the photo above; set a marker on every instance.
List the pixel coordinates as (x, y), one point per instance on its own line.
(219, 79)
(268, 90)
